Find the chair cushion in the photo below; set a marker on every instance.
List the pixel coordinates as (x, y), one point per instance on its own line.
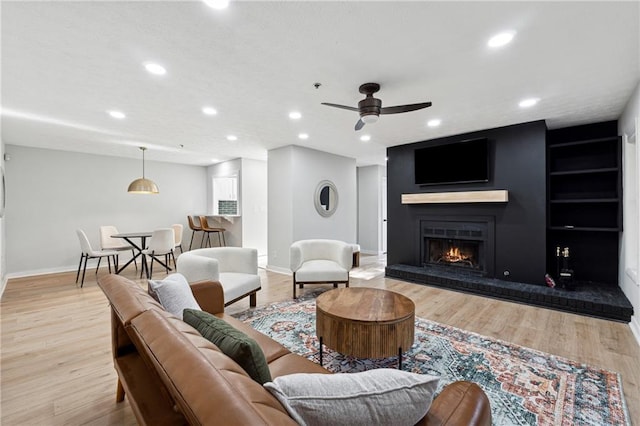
(374, 397)
(235, 344)
(321, 271)
(236, 284)
(174, 294)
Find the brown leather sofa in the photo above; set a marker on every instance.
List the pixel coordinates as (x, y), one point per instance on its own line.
(171, 375)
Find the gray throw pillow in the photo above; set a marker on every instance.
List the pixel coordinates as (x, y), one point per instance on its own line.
(174, 294)
(374, 397)
(241, 348)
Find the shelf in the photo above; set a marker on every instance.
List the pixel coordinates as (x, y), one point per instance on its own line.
(585, 200)
(583, 228)
(498, 196)
(585, 171)
(583, 142)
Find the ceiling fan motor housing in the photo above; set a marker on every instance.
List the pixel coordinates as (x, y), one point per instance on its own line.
(369, 109)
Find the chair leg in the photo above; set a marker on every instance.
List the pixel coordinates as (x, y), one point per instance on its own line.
(144, 266)
(294, 285)
(120, 392)
(191, 243)
(224, 243)
(150, 274)
(79, 266)
(86, 259)
(109, 262)
(174, 260)
(99, 259)
(219, 239)
(252, 300)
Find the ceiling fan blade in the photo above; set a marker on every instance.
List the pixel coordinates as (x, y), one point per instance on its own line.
(341, 106)
(359, 125)
(404, 108)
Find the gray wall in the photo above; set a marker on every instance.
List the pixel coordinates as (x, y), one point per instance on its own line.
(294, 173)
(370, 208)
(52, 193)
(629, 272)
(254, 190)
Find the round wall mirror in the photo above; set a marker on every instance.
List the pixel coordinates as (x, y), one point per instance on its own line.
(326, 198)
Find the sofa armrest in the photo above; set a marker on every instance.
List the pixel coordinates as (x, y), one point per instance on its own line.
(209, 295)
(459, 403)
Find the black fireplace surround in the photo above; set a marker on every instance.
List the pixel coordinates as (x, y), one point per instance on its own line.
(464, 246)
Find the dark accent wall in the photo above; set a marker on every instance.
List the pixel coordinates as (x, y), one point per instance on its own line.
(517, 163)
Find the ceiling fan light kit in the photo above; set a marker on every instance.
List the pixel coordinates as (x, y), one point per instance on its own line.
(370, 108)
(143, 185)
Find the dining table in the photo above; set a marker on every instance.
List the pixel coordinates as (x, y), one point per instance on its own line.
(132, 238)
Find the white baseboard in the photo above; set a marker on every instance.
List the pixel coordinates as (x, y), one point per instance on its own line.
(279, 270)
(635, 327)
(45, 271)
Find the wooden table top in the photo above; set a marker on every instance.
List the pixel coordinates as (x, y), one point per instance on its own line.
(365, 304)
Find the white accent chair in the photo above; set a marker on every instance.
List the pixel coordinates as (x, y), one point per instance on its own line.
(177, 231)
(90, 253)
(236, 268)
(319, 261)
(117, 244)
(161, 243)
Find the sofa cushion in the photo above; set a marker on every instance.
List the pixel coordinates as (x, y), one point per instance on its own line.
(174, 293)
(238, 284)
(322, 271)
(235, 344)
(382, 396)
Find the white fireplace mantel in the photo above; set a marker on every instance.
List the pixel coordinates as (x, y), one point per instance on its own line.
(494, 196)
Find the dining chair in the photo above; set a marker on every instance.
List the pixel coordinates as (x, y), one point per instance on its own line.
(109, 243)
(161, 243)
(194, 224)
(177, 230)
(208, 230)
(89, 253)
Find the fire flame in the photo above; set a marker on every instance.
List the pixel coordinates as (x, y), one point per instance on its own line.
(453, 255)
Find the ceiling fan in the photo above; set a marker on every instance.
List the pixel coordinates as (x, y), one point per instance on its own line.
(370, 108)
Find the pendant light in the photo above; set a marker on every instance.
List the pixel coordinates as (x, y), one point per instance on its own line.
(143, 185)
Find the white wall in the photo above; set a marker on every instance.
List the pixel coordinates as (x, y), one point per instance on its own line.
(628, 127)
(3, 256)
(52, 193)
(370, 181)
(280, 207)
(254, 190)
(302, 169)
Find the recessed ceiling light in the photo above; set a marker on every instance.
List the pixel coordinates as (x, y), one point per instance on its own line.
(365, 138)
(232, 138)
(526, 103)
(434, 123)
(217, 4)
(209, 111)
(156, 69)
(295, 115)
(501, 39)
(117, 114)
(303, 136)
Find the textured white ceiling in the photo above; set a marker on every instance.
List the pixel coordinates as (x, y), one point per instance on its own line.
(64, 64)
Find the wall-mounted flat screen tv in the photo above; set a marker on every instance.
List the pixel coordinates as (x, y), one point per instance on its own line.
(460, 162)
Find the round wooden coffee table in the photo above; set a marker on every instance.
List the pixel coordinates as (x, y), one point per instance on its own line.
(365, 322)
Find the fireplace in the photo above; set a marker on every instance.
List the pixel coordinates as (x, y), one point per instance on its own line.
(459, 246)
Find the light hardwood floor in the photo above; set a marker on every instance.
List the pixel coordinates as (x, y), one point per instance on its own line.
(56, 365)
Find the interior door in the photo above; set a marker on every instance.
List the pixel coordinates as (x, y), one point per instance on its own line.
(383, 233)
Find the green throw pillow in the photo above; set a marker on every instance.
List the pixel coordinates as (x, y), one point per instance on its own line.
(232, 342)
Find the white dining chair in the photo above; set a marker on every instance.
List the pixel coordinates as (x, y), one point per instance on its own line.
(109, 243)
(161, 243)
(89, 253)
(177, 230)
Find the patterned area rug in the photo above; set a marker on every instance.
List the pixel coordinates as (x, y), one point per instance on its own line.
(525, 386)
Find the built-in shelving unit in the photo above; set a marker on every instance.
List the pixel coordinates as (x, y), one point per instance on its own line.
(584, 198)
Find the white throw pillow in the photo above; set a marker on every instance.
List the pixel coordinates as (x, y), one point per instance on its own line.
(375, 397)
(174, 294)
